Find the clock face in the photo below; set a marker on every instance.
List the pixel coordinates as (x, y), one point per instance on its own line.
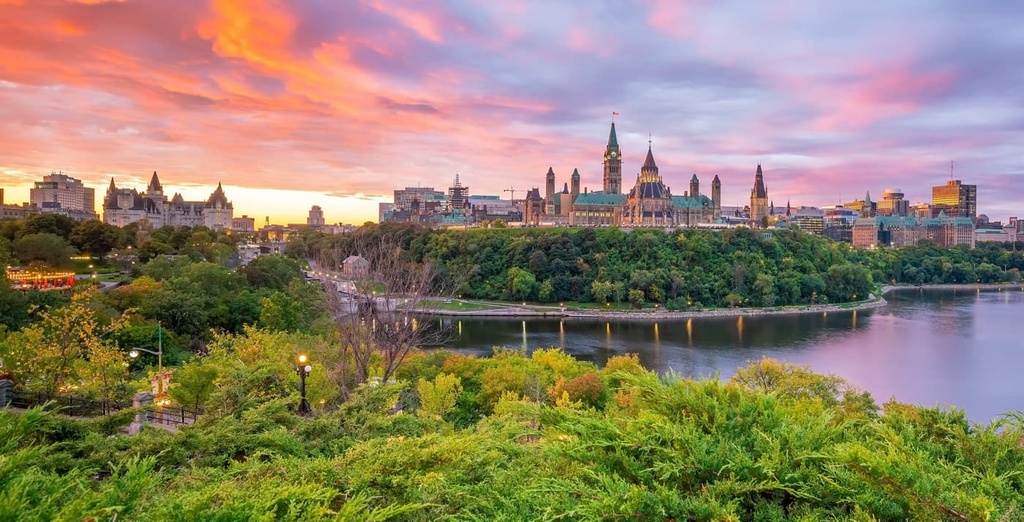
(614, 154)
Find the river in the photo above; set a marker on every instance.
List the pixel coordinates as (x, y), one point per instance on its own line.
(930, 347)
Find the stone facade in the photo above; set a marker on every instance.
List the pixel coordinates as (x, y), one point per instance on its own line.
(124, 206)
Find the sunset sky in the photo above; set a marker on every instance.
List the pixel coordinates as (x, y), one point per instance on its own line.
(338, 103)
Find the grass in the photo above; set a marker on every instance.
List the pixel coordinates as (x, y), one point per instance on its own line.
(453, 305)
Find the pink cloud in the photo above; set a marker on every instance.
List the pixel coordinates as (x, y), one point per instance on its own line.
(882, 92)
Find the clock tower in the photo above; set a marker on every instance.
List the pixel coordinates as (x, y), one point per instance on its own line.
(612, 165)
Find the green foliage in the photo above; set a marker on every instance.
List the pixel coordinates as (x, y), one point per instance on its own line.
(193, 384)
(47, 248)
(68, 350)
(439, 396)
(97, 238)
(776, 443)
(47, 223)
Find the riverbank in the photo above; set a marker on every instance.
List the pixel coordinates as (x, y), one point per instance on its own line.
(983, 287)
(515, 310)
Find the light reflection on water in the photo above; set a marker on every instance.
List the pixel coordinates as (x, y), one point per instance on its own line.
(926, 347)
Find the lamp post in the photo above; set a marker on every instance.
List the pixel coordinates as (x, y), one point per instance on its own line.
(303, 370)
(159, 353)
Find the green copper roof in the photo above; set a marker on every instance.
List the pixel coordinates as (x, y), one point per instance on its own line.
(613, 141)
(598, 198)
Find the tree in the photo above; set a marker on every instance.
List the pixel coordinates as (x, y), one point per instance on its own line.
(521, 284)
(69, 349)
(438, 397)
(636, 298)
(274, 272)
(601, 290)
(386, 312)
(96, 238)
(44, 247)
(193, 384)
(48, 223)
(796, 382)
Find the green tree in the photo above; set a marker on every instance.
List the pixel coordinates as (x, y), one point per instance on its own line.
(601, 291)
(44, 247)
(69, 349)
(48, 223)
(438, 397)
(521, 284)
(636, 298)
(96, 238)
(193, 384)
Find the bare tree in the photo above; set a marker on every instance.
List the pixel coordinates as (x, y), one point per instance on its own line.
(382, 304)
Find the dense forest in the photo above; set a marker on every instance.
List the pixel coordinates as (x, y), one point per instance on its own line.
(682, 270)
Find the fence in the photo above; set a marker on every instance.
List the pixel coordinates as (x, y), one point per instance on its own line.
(82, 407)
(172, 415)
(66, 404)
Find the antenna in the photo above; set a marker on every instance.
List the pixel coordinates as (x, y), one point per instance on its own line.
(951, 170)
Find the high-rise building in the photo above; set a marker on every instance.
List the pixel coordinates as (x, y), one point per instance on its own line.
(893, 204)
(955, 199)
(612, 165)
(758, 198)
(316, 217)
(59, 193)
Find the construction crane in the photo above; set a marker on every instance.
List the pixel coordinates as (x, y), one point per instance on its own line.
(513, 191)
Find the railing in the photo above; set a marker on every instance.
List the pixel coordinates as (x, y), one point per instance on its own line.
(82, 407)
(172, 415)
(67, 404)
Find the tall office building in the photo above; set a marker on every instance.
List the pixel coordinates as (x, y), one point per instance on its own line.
(59, 193)
(955, 199)
(893, 204)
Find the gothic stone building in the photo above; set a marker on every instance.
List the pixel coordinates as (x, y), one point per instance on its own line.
(649, 203)
(122, 206)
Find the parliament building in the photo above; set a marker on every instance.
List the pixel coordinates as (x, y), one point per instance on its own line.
(649, 203)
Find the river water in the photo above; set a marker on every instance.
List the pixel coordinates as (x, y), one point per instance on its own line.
(930, 347)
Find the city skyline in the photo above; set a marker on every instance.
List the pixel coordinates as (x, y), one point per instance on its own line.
(341, 108)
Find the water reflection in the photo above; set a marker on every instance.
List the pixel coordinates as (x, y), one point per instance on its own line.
(926, 347)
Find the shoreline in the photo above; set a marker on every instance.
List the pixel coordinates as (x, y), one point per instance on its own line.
(513, 310)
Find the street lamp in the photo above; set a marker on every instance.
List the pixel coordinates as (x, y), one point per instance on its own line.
(303, 370)
(159, 353)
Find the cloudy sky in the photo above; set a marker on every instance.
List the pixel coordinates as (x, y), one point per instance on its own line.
(337, 103)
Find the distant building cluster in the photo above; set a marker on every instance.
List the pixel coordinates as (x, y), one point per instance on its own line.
(59, 193)
(649, 203)
(950, 218)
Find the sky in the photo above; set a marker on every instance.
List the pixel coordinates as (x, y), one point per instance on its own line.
(303, 102)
